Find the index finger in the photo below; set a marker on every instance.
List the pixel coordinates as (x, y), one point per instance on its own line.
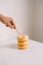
(13, 23)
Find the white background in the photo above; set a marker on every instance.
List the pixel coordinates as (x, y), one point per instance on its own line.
(28, 16)
(22, 12)
(38, 23)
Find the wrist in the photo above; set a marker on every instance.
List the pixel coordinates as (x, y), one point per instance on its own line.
(1, 17)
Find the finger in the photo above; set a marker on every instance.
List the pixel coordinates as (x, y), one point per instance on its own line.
(13, 24)
(7, 25)
(10, 25)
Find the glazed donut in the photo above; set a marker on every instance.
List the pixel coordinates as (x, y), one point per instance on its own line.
(23, 38)
(23, 47)
(22, 43)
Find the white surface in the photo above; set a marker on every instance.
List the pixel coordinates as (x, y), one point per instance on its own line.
(11, 55)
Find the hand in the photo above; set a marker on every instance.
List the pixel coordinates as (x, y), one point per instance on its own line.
(8, 21)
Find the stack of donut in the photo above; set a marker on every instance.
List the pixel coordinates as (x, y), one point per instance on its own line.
(22, 42)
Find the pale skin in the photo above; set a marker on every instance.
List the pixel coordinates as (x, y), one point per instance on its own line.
(8, 21)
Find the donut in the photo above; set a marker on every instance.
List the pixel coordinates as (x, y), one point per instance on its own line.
(23, 38)
(22, 43)
(23, 47)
